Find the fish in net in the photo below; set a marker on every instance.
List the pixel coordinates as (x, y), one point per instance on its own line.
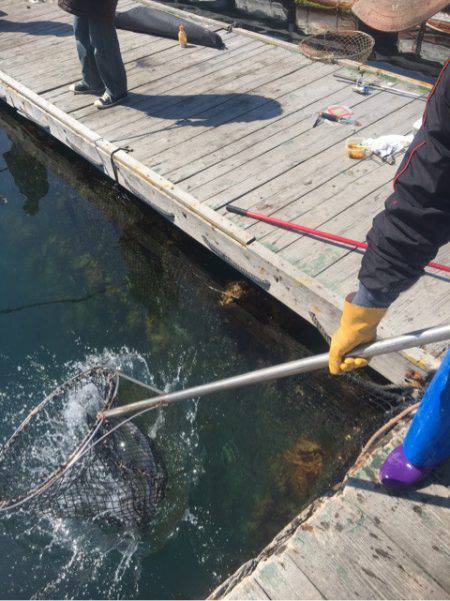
(62, 459)
(332, 46)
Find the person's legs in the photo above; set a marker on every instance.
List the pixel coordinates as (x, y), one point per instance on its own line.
(108, 59)
(91, 79)
(427, 442)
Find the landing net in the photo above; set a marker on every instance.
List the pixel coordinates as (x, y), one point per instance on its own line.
(60, 461)
(65, 460)
(332, 46)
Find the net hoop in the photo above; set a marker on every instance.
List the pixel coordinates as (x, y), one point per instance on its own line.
(332, 46)
(112, 382)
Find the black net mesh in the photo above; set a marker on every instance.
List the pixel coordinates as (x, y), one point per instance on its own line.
(58, 462)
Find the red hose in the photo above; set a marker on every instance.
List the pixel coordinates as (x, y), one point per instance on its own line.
(308, 230)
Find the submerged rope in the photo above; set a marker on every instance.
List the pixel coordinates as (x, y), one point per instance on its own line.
(56, 302)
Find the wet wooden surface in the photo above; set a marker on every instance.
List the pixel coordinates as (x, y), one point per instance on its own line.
(361, 543)
(236, 126)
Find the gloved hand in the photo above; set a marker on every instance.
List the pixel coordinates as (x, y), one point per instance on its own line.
(358, 326)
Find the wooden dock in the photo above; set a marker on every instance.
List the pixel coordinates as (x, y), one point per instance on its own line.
(203, 128)
(360, 543)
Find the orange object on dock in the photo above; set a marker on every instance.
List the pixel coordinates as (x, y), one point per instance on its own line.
(182, 37)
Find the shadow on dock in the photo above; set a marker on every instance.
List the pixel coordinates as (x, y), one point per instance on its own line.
(36, 28)
(183, 108)
(179, 109)
(414, 495)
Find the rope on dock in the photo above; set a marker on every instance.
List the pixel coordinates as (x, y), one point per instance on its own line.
(382, 431)
(113, 164)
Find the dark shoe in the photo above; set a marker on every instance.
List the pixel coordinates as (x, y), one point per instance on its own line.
(397, 472)
(82, 88)
(105, 101)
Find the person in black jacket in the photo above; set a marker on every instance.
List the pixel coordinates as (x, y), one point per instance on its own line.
(403, 239)
(102, 68)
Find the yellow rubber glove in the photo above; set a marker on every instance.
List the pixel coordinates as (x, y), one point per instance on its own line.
(358, 326)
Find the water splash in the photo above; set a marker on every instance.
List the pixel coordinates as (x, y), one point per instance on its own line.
(67, 547)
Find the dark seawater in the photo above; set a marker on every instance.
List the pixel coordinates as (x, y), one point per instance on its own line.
(89, 277)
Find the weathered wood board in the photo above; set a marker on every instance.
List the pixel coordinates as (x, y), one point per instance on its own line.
(361, 543)
(202, 128)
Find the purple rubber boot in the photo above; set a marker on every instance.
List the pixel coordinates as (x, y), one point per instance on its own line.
(397, 472)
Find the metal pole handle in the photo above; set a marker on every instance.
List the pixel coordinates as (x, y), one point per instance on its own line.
(292, 368)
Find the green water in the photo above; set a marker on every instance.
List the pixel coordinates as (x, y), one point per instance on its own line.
(88, 277)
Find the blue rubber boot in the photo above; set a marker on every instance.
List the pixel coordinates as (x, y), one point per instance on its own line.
(427, 442)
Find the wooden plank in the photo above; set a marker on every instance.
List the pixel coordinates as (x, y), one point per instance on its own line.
(135, 64)
(190, 101)
(19, 25)
(206, 148)
(39, 43)
(141, 48)
(156, 69)
(22, 63)
(136, 48)
(325, 164)
(356, 178)
(418, 520)
(13, 5)
(132, 45)
(217, 145)
(281, 578)
(359, 174)
(353, 221)
(53, 33)
(343, 552)
(244, 71)
(355, 191)
(232, 43)
(228, 171)
(21, 13)
(247, 182)
(247, 590)
(362, 543)
(33, 11)
(234, 107)
(24, 12)
(426, 289)
(33, 33)
(202, 76)
(38, 35)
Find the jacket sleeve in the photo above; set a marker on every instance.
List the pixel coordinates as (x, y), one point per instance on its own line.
(416, 219)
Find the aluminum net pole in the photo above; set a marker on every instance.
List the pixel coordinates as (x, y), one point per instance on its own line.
(292, 368)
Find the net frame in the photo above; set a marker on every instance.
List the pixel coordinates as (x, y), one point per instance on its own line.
(112, 385)
(332, 46)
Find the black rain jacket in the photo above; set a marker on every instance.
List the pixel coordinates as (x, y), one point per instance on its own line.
(94, 9)
(416, 219)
